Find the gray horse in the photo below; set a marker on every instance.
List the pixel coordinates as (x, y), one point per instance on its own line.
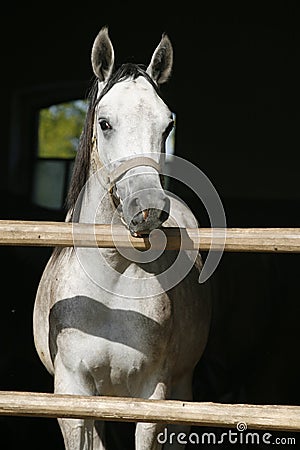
(106, 323)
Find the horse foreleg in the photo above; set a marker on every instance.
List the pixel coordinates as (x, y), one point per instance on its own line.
(175, 437)
(146, 433)
(152, 436)
(78, 434)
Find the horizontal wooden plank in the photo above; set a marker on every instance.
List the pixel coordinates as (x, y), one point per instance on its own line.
(268, 417)
(62, 234)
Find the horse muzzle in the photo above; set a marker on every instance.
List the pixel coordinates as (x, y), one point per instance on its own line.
(146, 212)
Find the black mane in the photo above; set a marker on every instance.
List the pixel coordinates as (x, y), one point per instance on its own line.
(82, 160)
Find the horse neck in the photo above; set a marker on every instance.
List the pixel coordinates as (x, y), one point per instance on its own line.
(96, 205)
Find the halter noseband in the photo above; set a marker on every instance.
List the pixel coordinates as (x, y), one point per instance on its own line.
(135, 161)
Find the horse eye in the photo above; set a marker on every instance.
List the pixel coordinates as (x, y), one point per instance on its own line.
(104, 125)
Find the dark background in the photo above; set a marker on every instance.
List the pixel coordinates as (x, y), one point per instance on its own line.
(235, 90)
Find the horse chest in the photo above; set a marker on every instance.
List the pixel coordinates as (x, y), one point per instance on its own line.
(116, 343)
(116, 361)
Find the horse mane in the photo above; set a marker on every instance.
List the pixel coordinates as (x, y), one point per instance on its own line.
(82, 161)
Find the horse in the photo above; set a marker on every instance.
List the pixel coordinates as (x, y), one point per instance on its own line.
(106, 324)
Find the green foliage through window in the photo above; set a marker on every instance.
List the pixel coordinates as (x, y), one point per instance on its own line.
(60, 127)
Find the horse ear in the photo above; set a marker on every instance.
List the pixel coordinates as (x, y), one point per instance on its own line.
(102, 55)
(161, 63)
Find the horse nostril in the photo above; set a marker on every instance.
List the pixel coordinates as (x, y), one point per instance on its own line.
(140, 217)
(145, 214)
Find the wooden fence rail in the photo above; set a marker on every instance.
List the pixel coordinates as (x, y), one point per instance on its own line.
(62, 234)
(260, 417)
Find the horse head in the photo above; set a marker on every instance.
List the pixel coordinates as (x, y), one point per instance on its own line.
(131, 124)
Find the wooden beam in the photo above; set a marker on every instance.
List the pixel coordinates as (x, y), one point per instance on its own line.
(264, 417)
(62, 234)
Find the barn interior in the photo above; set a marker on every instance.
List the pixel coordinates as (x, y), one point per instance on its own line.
(235, 91)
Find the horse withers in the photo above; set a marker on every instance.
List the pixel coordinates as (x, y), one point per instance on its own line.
(106, 323)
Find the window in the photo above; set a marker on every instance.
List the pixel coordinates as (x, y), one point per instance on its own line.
(59, 129)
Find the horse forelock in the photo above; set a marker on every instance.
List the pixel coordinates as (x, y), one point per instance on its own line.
(83, 157)
(125, 72)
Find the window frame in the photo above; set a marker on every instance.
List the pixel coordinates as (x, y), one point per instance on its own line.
(25, 107)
